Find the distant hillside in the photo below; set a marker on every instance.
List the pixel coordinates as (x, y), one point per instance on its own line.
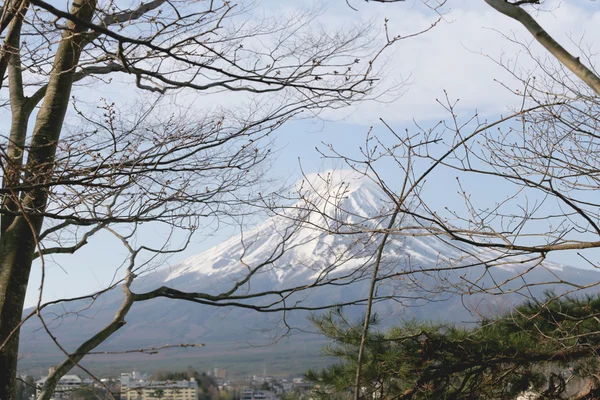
(231, 335)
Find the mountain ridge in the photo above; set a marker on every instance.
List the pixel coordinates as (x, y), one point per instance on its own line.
(310, 257)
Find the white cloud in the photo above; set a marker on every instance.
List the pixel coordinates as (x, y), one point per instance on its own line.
(454, 56)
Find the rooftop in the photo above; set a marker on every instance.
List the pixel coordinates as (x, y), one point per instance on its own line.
(162, 384)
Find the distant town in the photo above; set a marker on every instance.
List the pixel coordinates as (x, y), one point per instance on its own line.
(213, 384)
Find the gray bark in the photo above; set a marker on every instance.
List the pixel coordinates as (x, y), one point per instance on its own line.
(560, 53)
(19, 234)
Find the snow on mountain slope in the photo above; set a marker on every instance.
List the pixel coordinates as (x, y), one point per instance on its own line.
(311, 255)
(310, 252)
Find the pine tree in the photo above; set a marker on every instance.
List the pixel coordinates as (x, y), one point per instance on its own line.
(544, 346)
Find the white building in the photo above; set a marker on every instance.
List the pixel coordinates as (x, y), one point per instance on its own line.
(159, 390)
(66, 385)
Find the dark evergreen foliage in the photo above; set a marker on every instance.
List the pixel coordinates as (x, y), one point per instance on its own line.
(543, 345)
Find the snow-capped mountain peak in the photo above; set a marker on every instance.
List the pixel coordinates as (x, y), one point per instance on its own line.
(300, 230)
(314, 255)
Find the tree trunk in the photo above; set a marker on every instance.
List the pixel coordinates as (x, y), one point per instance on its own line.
(20, 113)
(560, 53)
(18, 240)
(16, 251)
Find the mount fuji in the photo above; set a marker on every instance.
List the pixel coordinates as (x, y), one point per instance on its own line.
(311, 257)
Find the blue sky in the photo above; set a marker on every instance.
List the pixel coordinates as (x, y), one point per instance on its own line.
(457, 56)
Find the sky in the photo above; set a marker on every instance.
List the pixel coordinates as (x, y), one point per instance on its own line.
(458, 57)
